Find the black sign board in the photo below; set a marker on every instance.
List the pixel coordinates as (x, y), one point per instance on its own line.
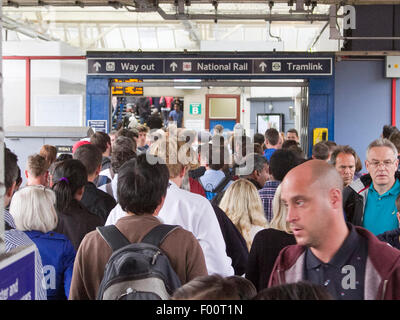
(125, 66)
(64, 149)
(210, 66)
(290, 66)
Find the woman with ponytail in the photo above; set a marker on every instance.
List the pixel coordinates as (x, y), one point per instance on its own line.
(74, 220)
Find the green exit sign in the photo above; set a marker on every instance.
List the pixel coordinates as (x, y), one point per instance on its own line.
(195, 108)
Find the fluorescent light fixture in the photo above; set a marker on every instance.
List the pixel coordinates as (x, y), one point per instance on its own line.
(186, 81)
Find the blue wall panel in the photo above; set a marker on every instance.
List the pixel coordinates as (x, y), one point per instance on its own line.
(98, 100)
(321, 108)
(362, 103)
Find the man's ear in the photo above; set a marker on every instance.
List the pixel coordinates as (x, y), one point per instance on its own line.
(335, 197)
(366, 163)
(26, 174)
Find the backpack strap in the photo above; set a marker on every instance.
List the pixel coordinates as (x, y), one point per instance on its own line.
(157, 235)
(222, 184)
(114, 238)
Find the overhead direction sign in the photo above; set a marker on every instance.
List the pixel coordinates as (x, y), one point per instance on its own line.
(211, 66)
(125, 66)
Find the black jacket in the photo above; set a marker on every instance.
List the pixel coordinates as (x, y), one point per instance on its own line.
(355, 196)
(97, 201)
(265, 249)
(236, 247)
(391, 237)
(76, 221)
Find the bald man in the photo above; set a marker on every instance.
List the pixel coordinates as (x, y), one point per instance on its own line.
(350, 262)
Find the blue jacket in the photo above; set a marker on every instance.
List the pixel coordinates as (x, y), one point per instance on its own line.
(58, 257)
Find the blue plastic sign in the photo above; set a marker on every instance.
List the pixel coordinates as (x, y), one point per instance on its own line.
(98, 125)
(17, 275)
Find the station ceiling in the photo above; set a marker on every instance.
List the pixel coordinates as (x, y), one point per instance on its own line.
(160, 25)
(153, 3)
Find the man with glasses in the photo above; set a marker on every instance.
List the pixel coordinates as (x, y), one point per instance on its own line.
(370, 201)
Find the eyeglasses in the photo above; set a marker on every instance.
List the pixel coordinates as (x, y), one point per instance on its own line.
(385, 163)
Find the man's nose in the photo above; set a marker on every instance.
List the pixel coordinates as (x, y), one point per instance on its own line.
(291, 214)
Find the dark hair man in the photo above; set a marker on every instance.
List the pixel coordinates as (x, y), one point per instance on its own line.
(292, 134)
(370, 200)
(260, 174)
(176, 115)
(344, 160)
(123, 150)
(387, 130)
(95, 200)
(282, 161)
(320, 151)
(395, 139)
(103, 142)
(142, 146)
(142, 189)
(350, 262)
(272, 140)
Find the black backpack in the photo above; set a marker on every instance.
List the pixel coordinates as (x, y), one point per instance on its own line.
(137, 271)
(211, 195)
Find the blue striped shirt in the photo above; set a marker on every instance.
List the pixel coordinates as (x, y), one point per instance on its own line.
(267, 195)
(9, 219)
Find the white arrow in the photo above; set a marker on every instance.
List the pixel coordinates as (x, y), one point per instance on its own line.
(262, 66)
(173, 66)
(97, 66)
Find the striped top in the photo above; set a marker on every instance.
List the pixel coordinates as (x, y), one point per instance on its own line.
(9, 219)
(267, 195)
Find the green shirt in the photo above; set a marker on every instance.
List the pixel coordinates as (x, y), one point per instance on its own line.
(380, 210)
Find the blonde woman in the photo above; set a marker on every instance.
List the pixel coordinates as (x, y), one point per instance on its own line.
(268, 243)
(243, 206)
(34, 213)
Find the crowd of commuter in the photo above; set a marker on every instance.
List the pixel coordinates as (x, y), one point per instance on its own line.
(253, 217)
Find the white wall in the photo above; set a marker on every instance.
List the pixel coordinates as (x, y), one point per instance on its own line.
(47, 76)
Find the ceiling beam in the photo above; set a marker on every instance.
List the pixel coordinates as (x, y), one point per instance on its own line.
(150, 4)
